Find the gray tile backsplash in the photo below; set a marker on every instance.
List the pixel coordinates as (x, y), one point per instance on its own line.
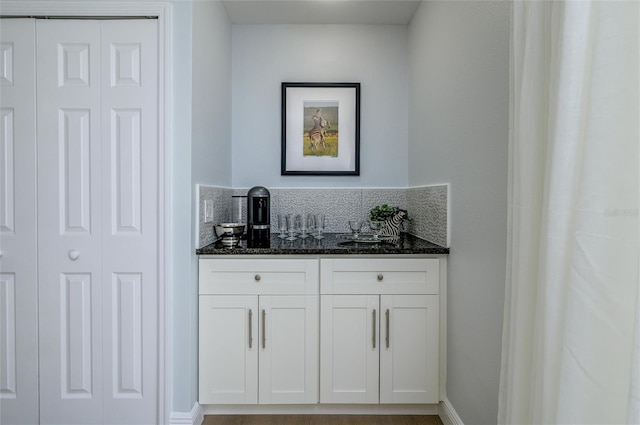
(426, 205)
(221, 200)
(338, 205)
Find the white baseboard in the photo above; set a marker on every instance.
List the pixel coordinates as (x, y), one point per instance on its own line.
(195, 417)
(448, 414)
(445, 411)
(321, 409)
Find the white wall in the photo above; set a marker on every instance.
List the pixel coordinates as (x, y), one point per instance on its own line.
(458, 133)
(201, 154)
(211, 123)
(264, 56)
(180, 242)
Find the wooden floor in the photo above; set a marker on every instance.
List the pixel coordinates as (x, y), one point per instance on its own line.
(321, 420)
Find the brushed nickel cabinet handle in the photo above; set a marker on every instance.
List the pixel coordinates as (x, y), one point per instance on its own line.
(373, 336)
(387, 330)
(264, 336)
(380, 277)
(250, 328)
(257, 278)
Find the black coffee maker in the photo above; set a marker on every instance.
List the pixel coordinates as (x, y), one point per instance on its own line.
(258, 216)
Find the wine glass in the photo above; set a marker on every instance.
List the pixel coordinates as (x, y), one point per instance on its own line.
(282, 226)
(320, 222)
(356, 227)
(304, 225)
(311, 223)
(376, 227)
(291, 227)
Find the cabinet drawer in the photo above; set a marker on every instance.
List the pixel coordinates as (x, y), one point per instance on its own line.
(379, 276)
(258, 276)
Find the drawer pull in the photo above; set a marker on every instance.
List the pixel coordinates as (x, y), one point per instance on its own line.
(387, 330)
(264, 336)
(250, 328)
(380, 277)
(257, 278)
(373, 337)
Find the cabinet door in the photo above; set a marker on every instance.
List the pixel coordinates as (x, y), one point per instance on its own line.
(409, 350)
(349, 349)
(288, 362)
(228, 349)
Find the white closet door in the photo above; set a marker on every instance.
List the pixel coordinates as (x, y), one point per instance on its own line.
(97, 221)
(18, 272)
(69, 221)
(130, 220)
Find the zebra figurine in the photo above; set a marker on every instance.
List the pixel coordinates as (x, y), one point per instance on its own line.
(393, 225)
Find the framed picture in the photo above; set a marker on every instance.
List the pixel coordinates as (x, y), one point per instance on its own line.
(321, 129)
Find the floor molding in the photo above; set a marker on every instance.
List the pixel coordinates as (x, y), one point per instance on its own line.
(448, 414)
(321, 409)
(195, 417)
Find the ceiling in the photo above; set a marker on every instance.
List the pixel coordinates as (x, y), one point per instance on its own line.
(391, 12)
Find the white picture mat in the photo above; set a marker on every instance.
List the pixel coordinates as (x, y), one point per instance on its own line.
(295, 98)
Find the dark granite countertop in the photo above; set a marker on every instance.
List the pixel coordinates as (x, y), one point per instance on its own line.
(332, 244)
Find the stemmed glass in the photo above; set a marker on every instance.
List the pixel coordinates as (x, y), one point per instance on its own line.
(282, 226)
(304, 225)
(311, 224)
(320, 222)
(376, 227)
(355, 226)
(291, 227)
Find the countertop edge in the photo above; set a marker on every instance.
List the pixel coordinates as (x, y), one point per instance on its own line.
(408, 245)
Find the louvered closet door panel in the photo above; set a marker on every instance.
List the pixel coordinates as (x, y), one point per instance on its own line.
(69, 221)
(18, 273)
(130, 219)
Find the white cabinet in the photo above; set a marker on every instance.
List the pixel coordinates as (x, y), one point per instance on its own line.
(258, 331)
(349, 342)
(228, 347)
(380, 331)
(409, 349)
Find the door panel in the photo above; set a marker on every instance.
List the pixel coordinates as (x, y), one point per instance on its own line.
(129, 227)
(76, 336)
(18, 238)
(409, 364)
(98, 220)
(288, 365)
(349, 348)
(69, 216)
(228, 349)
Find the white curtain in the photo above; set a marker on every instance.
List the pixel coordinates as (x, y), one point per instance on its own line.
(571, 327)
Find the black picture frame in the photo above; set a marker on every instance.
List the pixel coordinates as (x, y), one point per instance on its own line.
(312, 143)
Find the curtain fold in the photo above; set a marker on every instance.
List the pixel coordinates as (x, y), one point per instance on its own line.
(570, 340)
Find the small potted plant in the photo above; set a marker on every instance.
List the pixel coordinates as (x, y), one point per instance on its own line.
(393, 219)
